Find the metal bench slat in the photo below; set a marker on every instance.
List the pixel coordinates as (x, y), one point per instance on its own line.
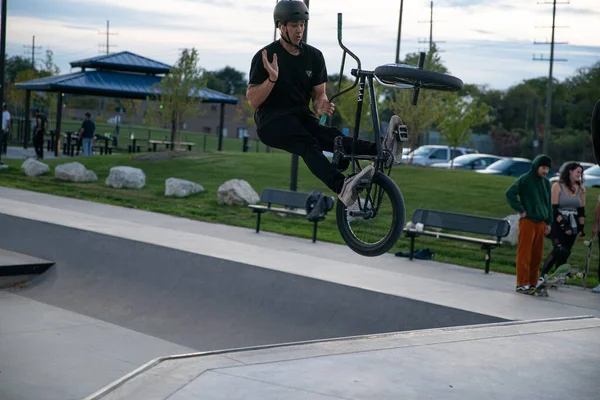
(462, 222)
(284, 197)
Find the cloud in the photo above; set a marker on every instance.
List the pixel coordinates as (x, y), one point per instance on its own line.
(580, 11)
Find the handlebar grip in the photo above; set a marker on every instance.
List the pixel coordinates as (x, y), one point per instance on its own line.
(339, 26)
(323, 119)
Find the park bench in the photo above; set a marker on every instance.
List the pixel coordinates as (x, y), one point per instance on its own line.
(493, 229)
(290, 202)
(168, 144)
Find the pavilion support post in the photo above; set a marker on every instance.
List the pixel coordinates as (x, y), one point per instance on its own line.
(221, 126)
(59, 107)
(27, 126)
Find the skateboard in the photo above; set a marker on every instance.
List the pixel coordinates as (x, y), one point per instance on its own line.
(560, 275)
(583, 274)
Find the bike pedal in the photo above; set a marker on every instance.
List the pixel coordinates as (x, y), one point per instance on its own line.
(402, 133)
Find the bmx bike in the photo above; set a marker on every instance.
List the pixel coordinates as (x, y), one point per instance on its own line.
(373, 224)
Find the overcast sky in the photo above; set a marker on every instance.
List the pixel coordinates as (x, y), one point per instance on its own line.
(484, 41)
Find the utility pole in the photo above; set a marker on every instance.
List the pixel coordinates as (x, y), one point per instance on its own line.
(108, 35)
(399, 33)
(430, 22)
(548, 113)
(33, 47)
(2, 50)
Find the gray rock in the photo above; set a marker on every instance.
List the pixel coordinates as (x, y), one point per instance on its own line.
(126, 177)
(74, 172)
(3, 166)
(513, 235)
(236, 192)
(33, 167)
(181, 188)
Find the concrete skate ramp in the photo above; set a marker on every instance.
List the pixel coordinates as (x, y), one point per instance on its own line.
(202, 302)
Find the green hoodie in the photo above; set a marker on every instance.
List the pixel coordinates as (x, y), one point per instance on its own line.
(532, 193)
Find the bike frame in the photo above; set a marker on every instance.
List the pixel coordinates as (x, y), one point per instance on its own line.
(367, 77)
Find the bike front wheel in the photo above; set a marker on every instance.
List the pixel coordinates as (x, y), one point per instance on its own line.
(373, 224)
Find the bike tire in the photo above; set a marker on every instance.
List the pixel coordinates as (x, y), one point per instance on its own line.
(388, 241)
(395, 74)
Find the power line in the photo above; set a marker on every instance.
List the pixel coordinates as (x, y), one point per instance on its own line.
(33, 47)
(551, 60)
(108, 34)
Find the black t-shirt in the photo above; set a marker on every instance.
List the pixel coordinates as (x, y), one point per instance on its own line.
(297, 77)
(88, 129)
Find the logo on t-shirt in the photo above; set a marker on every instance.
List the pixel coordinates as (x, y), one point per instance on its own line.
(308, 73)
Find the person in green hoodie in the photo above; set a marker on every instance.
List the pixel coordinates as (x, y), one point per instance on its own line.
(530, 196)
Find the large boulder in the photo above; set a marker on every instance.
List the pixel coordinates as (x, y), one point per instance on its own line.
(126, 177)
(236, 192)
(513, 235)
(74, 172)
(180, 188)
(33, 167)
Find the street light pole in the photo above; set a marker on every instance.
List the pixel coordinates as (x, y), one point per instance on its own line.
(399, 33)
(294, 169)
(2, 51)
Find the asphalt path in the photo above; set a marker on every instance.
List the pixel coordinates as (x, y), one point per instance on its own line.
(202, 302)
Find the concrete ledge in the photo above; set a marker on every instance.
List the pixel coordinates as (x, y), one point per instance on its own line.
(166, 375)
(17, 264)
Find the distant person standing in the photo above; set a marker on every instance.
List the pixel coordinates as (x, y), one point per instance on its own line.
(530, 196)
(87, 134)
(5, 129)
(38, 135)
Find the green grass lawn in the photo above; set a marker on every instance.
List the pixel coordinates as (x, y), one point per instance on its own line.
(448, 190)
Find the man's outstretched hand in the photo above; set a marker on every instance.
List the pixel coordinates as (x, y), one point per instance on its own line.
(271, 67)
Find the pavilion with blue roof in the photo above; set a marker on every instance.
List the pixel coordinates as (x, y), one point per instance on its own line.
(121, 75)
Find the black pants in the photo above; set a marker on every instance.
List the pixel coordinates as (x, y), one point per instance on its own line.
(38, 144)
(302, 135)
(3, 142)
(559, 238)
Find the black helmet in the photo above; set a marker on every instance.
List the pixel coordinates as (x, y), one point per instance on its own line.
(290, 10)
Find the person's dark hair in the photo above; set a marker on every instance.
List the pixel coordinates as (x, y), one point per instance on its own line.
(564, 175)
(88, 115)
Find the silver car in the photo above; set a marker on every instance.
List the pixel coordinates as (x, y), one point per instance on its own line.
(431, 154)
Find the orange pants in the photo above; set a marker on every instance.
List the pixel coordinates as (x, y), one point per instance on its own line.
(530, 251)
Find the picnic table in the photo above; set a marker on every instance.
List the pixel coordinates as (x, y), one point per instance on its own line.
(169, 145)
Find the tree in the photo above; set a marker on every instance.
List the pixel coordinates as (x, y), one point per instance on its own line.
(232, 81)
(459, 115)
(178, 93)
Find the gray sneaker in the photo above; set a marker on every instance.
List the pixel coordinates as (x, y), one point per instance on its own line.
(354, 184)
(395, 135)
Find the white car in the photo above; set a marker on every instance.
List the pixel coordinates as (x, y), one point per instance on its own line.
(469, 161)
(591, 177)
(431, 154)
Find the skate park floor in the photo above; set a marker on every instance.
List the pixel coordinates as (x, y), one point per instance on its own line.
(265, 316)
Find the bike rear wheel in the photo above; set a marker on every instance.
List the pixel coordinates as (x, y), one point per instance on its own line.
(373, 225)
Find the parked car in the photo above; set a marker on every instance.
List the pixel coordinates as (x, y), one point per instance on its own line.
(508, 166)
(591, 177)
(556, 176)
(469, 161)
(431, 154)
